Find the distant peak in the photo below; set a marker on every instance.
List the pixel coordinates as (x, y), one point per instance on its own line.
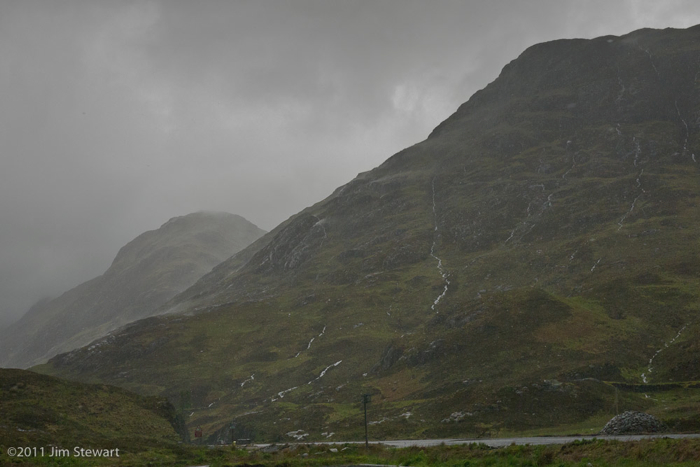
(203, 215)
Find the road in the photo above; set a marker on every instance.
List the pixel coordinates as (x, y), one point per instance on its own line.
(501, 442)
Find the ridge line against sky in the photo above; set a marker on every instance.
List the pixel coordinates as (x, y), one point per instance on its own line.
(118, 115)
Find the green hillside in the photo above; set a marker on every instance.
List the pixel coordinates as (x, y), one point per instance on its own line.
(42, 411)
(495, 278)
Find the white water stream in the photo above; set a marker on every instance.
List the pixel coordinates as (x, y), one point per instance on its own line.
(432, 253)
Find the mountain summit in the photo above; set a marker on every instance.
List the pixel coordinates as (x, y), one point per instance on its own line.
(146, 272)
(540, 247)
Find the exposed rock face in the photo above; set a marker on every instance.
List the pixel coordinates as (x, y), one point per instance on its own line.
(633, 423)
(146, 273)
(292, 247)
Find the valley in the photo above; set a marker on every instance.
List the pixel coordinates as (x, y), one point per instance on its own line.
(527, 268)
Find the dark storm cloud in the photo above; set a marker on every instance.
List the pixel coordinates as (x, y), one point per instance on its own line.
(117, 115)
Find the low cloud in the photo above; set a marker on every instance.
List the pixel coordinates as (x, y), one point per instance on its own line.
(118, 115)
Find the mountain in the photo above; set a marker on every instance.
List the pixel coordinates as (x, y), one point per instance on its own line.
(41, 411)
(532, 266)
(146, 273)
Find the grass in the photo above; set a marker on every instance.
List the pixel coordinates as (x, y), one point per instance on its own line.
(38, 410)
(645, 453)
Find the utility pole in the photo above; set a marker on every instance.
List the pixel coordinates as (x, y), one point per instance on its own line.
(366, 398)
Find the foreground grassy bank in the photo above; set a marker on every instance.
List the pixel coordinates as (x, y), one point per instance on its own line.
(683, 452)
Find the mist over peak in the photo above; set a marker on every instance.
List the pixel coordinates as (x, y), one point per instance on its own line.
(146, 272)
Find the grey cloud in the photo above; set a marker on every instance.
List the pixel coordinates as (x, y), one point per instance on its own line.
(117, 115)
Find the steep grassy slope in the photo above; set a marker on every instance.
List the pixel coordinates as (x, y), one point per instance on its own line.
(146, 273)
(540, 244)
(39, 410)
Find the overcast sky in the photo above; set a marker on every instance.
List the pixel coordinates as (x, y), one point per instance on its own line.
(118, 115)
